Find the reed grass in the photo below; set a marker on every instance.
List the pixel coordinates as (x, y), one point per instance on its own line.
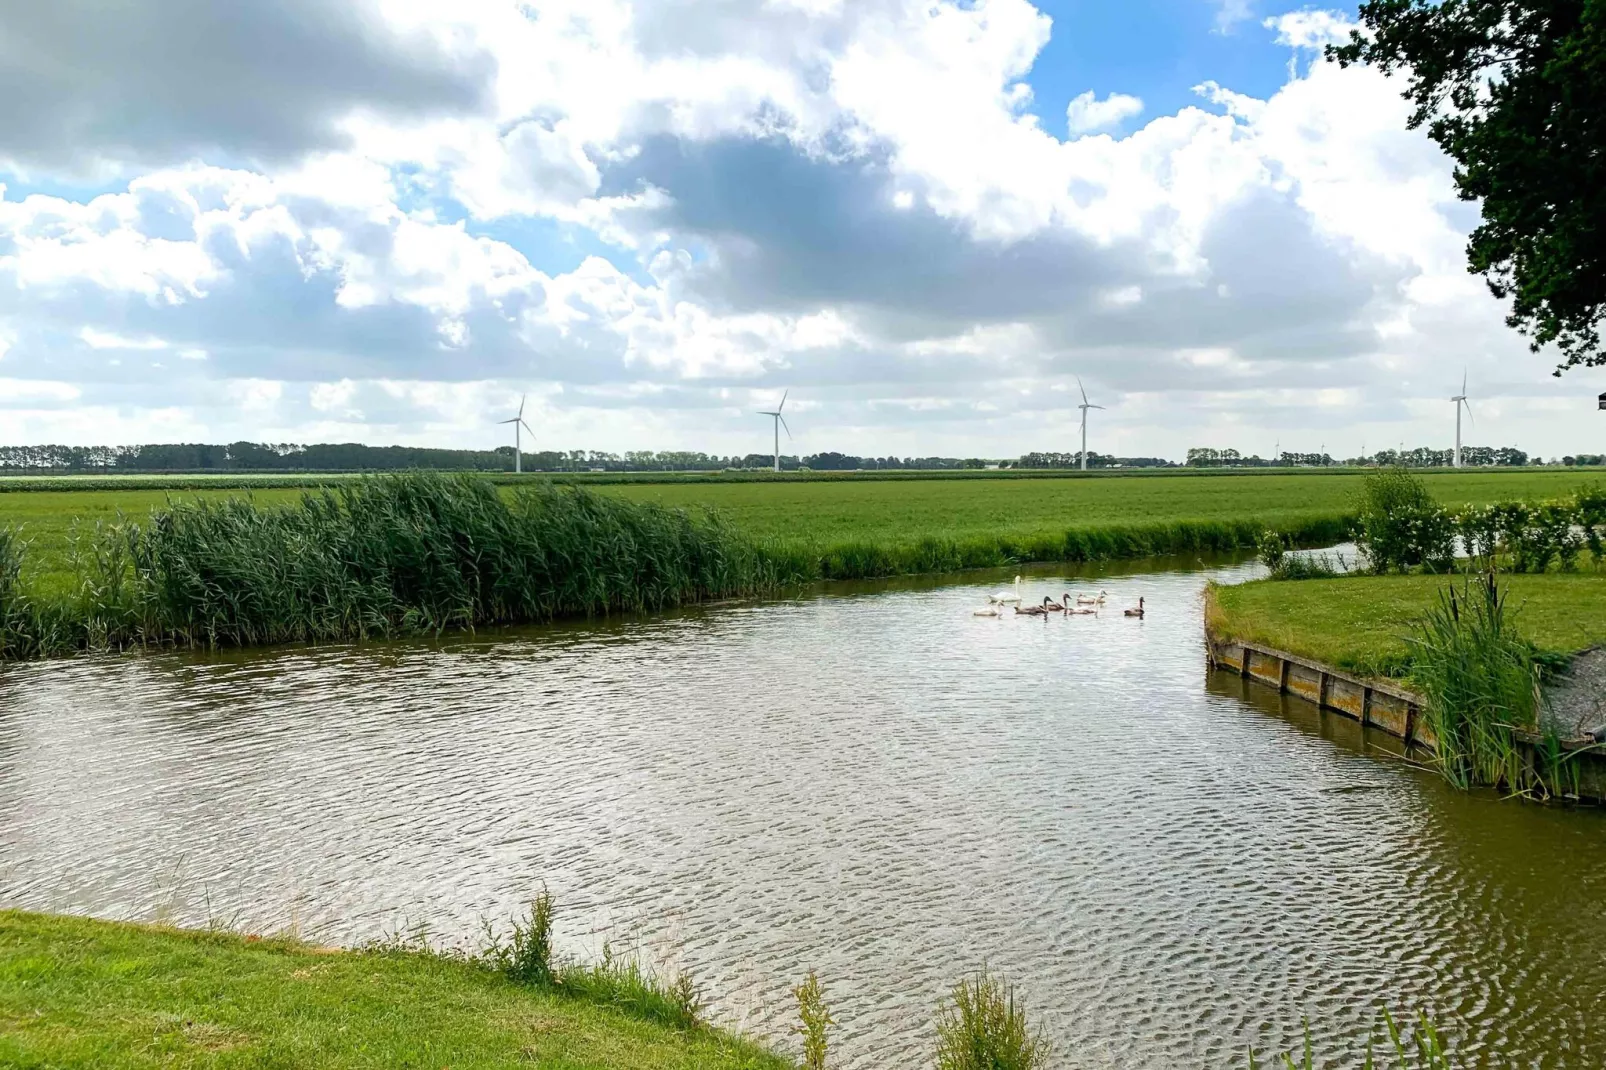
(984, 1027)
(1480, 680)
(389, 555)
(1423, 1048)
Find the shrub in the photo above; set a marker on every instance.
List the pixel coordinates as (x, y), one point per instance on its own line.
(1400, 526)
(983, 1027)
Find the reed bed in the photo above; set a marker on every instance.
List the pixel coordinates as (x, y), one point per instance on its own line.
(384, 556)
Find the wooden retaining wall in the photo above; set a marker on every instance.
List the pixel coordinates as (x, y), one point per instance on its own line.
(1380, 704)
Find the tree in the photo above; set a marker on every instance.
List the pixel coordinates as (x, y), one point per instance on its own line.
(1515, 92)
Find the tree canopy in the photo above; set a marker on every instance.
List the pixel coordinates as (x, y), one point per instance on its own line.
(1515, 92)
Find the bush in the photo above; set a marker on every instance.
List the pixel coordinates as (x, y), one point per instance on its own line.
(983, 1027)
(1400, 526)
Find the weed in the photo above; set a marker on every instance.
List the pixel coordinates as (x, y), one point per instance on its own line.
(983, 1027)
(524, 955)
(814, 1019)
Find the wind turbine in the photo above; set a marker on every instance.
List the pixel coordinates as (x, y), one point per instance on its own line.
(780, 422)
(1460, 400)
(518, 442)
(1084, 406)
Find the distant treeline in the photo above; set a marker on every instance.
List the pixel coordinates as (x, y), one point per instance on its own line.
(1094, 460)
(1421, 457)
(356, 457)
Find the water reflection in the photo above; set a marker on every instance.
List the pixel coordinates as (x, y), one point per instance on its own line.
(869, 782)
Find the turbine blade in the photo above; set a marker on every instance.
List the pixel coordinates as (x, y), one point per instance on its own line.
(1468, 404)
(1095, 406)
(522, 399)
(781, 418)
(782, 405)
(1463, 382)
(528, 428)
(1083, 389)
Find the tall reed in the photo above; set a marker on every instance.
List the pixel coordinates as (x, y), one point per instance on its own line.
(1480, 681)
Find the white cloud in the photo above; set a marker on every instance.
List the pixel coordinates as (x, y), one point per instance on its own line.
(639, 216)
(97, 339)
(1086, 113)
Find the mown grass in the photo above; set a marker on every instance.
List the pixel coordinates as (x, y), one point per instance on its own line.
(1361, 623)
(76, 993)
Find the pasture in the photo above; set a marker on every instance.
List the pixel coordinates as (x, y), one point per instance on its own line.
(820, 516)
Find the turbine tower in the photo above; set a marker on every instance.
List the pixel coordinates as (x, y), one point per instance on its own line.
(780, 422)
(518, 442)
(1459, 401)
(1084, 406)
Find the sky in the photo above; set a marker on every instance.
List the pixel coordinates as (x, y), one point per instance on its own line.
(386, 221)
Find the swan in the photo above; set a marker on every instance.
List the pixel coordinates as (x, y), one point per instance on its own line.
(1035, 611)
(1091, 600)
(989, 611)
(1081, 608)
(1052, 606)
(1004, 597)
(1138, 612)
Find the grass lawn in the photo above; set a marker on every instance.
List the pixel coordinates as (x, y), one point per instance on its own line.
(81, 993)
(820, 514)
(1359, 622)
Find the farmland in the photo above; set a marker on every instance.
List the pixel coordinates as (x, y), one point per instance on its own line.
(996, 518)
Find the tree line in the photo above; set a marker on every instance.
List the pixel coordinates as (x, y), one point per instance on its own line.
(1421, 457)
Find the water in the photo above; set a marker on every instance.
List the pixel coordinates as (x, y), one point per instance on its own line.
(869, 782)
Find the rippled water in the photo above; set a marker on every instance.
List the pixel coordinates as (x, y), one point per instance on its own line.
(869, 782)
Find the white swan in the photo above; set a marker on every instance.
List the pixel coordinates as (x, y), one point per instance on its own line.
(1005, 597)
(1091, 600)
(989, 611)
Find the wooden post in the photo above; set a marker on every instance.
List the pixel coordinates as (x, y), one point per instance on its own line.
(1282, 675)
(1366, 706)
(1321, 693)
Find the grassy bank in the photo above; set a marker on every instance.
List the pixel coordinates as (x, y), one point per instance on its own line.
(1359, 623)
(80, 993)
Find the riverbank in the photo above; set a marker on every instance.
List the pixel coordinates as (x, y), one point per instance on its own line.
(81, 993)
(1359, 623)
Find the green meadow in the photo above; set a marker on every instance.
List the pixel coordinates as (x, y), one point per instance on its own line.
(882, 526)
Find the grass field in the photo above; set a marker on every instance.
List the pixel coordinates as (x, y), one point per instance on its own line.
(1359, 622)
(76, 993)
(820, 515)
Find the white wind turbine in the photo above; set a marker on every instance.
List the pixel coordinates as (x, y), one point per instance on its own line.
(518, 441)
(1460, 401)
(1084, 406)
(780, 422)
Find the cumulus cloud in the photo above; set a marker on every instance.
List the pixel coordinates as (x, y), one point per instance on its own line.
(92, 86)
(652, 215)
(1087, 114)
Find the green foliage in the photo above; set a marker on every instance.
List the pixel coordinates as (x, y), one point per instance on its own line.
(524, 954)
(1400, 525)
(983, 1027)
(1480, 681)
(814, 1019)
(1513, 91)
(1423, 1049)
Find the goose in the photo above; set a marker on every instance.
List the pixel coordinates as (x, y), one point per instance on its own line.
(1138, 612)
(1004, 597)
